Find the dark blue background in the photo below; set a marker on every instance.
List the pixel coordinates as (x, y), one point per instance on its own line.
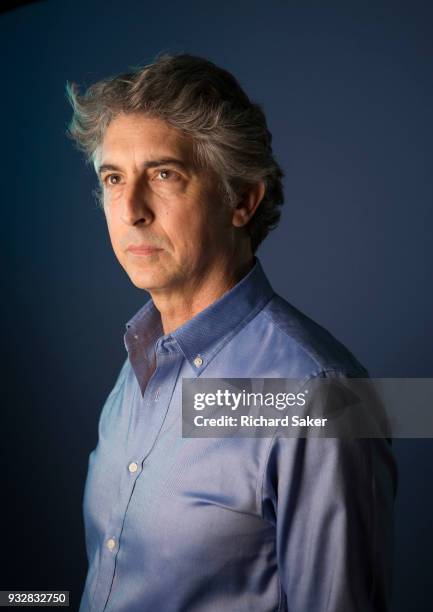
(347, 89)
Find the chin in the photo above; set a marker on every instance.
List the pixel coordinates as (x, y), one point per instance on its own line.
(144, 281)
(148, 280)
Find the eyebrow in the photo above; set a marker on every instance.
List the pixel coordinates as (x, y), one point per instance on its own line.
(153, 163)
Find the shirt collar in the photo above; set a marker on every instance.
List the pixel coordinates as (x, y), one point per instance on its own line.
(203, 336)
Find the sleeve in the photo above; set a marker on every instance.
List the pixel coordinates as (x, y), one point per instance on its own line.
(331, 501)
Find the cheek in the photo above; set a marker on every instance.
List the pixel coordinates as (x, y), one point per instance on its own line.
(181, 223)
(114, 234)
(191, 234)
(204, 228)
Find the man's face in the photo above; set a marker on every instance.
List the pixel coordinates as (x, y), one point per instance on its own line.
(167, 223)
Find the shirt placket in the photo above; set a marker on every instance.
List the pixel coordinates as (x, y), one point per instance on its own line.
(149, 413)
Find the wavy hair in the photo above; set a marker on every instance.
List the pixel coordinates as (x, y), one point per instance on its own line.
(228, 131)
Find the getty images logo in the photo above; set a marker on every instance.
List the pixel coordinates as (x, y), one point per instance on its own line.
(234, 400)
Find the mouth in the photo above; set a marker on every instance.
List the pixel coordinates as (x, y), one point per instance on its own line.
(143, 250)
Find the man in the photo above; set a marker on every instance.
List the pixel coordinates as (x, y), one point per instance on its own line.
(190, 188)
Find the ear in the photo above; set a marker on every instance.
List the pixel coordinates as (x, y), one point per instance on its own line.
(248, 203)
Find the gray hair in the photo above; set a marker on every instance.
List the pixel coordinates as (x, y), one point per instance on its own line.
(192, 94)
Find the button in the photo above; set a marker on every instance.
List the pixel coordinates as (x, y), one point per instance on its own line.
(111, 543)
(198, 361)
(135, 336)
(157, 392)
(132, 467)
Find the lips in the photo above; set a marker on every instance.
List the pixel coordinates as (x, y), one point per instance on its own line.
(143, 249)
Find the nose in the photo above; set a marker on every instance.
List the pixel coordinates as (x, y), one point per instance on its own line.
(135, 207)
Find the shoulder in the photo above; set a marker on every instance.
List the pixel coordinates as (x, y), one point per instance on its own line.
(301, 340)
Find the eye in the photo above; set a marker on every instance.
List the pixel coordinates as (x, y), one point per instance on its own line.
(164, 174)
(112, 179)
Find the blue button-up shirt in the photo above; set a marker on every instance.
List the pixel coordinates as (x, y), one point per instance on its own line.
(179, 524)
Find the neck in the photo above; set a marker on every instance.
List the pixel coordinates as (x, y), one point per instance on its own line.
(181, 305)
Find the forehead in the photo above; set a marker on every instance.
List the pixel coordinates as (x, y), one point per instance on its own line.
(140, 137)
